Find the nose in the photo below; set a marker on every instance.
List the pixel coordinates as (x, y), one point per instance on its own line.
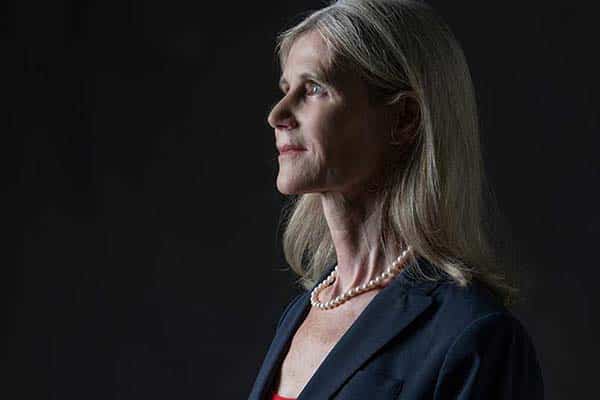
(281, 117)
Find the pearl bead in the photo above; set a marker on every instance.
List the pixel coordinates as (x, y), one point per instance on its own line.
(391, 271)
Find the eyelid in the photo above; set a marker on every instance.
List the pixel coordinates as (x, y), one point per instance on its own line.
(285, 89)
(317, 84)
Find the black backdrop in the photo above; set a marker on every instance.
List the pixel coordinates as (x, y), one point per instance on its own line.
(152, 264)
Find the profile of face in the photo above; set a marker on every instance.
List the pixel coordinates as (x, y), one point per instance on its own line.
(330, 139)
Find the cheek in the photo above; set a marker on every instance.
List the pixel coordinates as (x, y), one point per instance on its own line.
(359, 149)
(338, 138)
(350, 139)
(324, 135)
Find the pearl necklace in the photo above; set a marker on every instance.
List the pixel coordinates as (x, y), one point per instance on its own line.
(390, 272)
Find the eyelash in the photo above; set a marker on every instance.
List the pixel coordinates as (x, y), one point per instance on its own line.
(313, 84)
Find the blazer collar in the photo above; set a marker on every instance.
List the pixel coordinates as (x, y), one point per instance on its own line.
(384, 318)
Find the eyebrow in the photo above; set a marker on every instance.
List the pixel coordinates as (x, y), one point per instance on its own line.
(306, 75)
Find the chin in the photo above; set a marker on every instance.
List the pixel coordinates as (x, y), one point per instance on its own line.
(286, 189)
(289, 187)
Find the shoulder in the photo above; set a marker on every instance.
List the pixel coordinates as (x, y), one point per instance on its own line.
(486, 346)
(471, 315)
(467, 315)
(453, 306)
(475, 344)
(474, 323)
(460, 307)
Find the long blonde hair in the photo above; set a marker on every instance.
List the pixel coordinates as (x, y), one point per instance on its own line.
(435, 202)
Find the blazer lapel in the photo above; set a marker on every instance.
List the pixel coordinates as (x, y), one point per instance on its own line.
(280, 344)
(391, 311)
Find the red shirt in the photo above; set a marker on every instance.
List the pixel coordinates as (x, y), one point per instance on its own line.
(278, 397)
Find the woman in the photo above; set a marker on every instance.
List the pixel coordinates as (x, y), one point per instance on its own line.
(378, 138)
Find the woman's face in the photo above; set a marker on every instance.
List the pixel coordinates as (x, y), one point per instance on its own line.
(342, 139)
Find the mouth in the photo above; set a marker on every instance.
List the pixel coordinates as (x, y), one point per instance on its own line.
(290, 150)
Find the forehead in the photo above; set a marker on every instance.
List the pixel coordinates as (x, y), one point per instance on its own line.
(310, 57)
(309, 47)
(308, 54)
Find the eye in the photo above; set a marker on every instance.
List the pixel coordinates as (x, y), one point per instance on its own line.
(314, 89)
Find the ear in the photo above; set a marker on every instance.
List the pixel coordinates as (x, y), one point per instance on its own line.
(407, 113)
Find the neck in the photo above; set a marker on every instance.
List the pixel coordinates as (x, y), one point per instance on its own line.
(355, 227)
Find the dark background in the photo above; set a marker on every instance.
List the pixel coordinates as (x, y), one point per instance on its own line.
(152, 264)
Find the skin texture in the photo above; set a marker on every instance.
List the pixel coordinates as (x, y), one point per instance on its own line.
(347, 147)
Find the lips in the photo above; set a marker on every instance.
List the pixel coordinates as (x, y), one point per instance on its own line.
(287, 148)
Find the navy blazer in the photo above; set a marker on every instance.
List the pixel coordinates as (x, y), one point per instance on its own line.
(416, 340)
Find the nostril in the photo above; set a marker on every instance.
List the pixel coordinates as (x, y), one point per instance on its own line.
(287, 124)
